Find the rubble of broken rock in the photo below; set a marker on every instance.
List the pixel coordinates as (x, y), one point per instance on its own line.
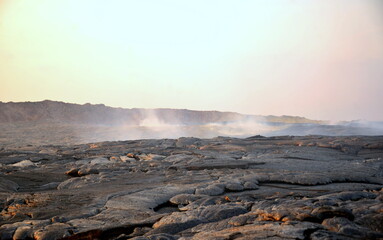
(312, 187)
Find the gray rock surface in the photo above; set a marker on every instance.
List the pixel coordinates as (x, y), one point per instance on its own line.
(312, 187)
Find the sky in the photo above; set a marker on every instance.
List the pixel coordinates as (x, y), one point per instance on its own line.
(317, 59)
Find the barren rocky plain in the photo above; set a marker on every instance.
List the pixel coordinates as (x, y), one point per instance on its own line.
(279, 187)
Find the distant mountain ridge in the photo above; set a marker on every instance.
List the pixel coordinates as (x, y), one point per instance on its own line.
(50, 122)
(54, 111)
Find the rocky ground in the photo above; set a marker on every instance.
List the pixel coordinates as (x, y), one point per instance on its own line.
(312, 187)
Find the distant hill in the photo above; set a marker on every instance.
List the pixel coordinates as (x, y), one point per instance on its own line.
(51, 122)
(53, 111)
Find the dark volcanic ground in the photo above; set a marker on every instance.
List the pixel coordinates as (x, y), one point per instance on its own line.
(311, 187)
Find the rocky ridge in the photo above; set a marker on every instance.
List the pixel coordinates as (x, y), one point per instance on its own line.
(53, 111)
(312, 187)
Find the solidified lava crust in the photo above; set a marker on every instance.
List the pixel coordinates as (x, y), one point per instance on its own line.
(312, 187)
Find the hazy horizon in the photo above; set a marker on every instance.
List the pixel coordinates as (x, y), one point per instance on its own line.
(208, 110)
(315, 59)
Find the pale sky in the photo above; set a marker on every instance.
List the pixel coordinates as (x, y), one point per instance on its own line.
(317, 59)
